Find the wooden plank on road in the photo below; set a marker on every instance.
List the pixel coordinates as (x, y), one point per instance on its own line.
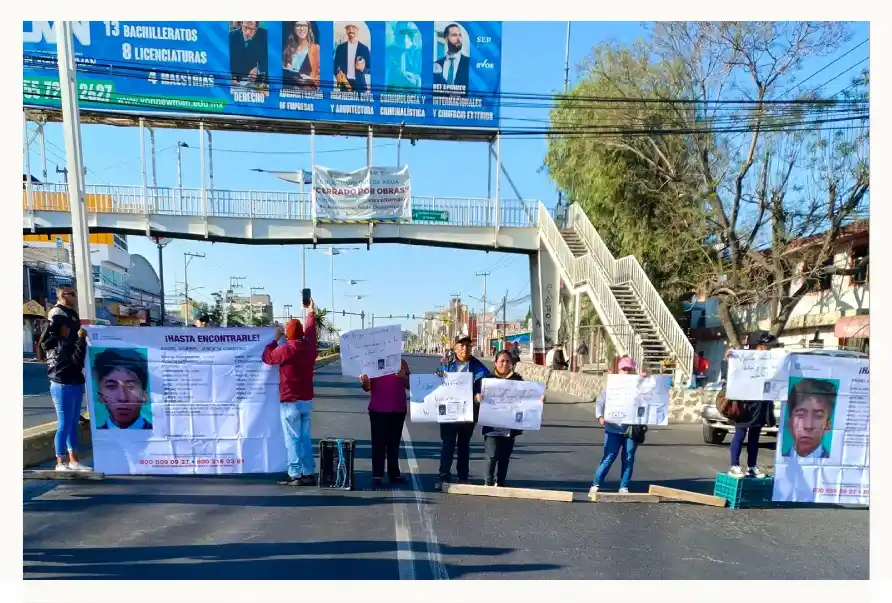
(52, 474)
(615, 497)
(687, 496)
(495, 491)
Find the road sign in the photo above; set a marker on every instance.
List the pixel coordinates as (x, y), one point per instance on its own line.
(430, 215)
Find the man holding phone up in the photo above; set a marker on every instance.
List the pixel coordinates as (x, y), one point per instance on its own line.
(296, 359)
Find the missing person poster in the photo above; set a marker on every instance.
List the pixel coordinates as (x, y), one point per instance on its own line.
(446, 399)
(511, 404)
(823, 439)
(758, 374)
(637, 400)
(182, 401)
(374, 352)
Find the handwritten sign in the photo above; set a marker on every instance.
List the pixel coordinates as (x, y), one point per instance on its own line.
(374, 352)
(446, 399)
(758, 375)
(636, 400)
(512, 404)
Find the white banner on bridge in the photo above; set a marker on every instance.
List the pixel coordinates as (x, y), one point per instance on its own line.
(374, 352)
(512, 404)
(183, 401)
(637, 400)
(446, 399)
(823, 445)
(758, 375)
(377, 194)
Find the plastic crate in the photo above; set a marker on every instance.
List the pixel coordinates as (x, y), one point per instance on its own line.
(744, 492)
(335, 452)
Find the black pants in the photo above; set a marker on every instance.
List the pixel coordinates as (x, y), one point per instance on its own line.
(387, 432)
(452, 435)
(497, 454)
(752, 445)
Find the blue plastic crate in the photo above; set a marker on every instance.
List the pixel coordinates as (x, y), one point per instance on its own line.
(744, 492)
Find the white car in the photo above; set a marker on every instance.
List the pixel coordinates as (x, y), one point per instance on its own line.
(716, 427)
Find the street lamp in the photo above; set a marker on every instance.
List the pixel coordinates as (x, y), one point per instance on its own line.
(331, 252)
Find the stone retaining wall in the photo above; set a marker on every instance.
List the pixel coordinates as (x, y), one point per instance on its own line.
(684, 404)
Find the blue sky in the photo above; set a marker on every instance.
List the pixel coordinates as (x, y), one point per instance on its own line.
(401, 279)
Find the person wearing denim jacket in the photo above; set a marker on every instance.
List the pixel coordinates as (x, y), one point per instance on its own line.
(458, 435)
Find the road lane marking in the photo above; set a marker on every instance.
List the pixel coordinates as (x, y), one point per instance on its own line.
(435, 559)
(405, 557)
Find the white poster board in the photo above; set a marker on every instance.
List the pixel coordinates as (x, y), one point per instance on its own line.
(637, 400)
(374, 352)
(446, 399)
(512, 404)
(183, 401)
(823, 444)
(377, 194)
(758, 375)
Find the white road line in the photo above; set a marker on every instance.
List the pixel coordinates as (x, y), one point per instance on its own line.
(405, 557)
(438, 570)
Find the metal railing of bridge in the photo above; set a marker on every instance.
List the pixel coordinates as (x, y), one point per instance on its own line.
(280, 205)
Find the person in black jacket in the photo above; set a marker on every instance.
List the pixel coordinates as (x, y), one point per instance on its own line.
(65, 345)
(498, 441)
(757, 414)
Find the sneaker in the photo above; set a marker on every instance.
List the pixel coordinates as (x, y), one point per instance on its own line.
(623, 491)
(62, 467)
(399, 479)
(307, 480)
(441, 481)
(288, 481)
(593, 490)
(736, 471)
(755, 472)
(79, 467)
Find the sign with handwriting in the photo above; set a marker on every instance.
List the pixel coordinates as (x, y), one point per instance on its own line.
(446, 399)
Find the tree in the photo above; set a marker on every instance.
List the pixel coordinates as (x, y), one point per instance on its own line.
(728, 190)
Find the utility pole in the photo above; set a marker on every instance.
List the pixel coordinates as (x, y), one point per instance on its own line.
(482, 330)
(288, 311)
(456, 301)
(188, 257)
(505, 320)
(251, 302)
(161, 242)
(566, 87)
(233, 285)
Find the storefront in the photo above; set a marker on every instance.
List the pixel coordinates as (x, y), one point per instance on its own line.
(853, 333)
(33, 318)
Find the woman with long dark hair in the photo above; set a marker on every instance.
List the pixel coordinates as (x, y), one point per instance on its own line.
(300, 60)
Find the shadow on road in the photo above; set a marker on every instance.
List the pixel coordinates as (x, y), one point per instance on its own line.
(326, 560)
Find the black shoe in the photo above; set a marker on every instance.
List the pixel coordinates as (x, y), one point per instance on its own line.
(307, 480)
(441, 481)
(398, 479)
(464, 480)
(288, 481)
(377, 483)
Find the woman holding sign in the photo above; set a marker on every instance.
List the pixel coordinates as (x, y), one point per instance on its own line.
(499, 442)
(387, 413)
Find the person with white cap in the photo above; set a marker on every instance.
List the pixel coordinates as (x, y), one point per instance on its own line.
(352, 61)
(617, 439)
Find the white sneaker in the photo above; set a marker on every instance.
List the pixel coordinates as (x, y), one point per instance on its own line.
(623, 491)
(736, 471)
(755, 472)
(62, 467)
(79, 467)
(593, 490)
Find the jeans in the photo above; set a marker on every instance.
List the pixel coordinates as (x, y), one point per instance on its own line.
(387, 433)
(497, 453)
(296, 427)
(752, 445)
(613, 444)
(67, 400)
(454, 435)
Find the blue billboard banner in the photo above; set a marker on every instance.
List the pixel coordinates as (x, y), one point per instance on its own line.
(424, 73)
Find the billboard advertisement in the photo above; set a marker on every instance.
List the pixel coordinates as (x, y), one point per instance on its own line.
(427, 73)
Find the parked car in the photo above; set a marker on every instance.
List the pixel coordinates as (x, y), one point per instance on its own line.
(716, 427)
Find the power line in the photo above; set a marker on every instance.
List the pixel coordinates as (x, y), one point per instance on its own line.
(827, 66)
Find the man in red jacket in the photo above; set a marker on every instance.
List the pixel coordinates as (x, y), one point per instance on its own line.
(296, 360)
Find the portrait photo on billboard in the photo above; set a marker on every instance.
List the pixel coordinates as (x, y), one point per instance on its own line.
(121, 388)
(452, 58)
(808, 418)
(352, 56)
(403, 54)
(249, 55)
(300, 54)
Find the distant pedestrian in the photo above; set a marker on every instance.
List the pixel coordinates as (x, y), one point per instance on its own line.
(498, 441)
(458, 435)
(581, 355)
(387, 414)
(296, 359)
(65, 344)
(618, 439)
(754, 415)
(203, 320)
(555, 359)
(701, 368)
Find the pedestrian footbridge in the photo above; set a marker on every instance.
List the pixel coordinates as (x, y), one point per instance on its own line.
(631, 310)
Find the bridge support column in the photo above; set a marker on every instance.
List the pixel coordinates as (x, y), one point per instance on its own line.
(545, 289)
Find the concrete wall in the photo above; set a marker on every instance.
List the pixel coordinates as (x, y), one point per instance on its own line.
(684, 404)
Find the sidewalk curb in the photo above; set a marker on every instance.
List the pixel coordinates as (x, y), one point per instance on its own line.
(38, 444)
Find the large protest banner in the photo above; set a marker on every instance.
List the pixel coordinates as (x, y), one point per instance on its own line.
(374, 352)
(637, 400)
(374, 194)
(446, 399)
(183, 401)
(822, 453)
(512, 404)
(758, 375)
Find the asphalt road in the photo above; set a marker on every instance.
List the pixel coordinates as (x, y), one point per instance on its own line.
(36, 402)
(249, 528)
